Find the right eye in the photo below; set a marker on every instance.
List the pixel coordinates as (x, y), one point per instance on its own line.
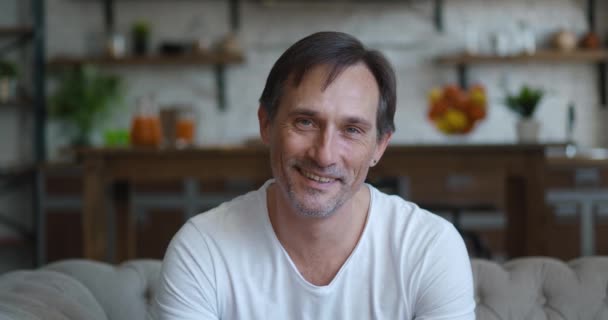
(304, 123)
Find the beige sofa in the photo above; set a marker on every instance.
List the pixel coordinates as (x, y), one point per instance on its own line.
(522, 289)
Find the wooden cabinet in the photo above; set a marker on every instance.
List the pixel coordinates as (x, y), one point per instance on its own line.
(464, 188)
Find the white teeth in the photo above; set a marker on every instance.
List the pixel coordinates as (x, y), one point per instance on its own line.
(315, 177)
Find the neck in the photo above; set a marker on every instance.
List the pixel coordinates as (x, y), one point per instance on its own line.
(334, 236)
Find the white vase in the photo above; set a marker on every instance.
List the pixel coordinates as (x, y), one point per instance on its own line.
(527, 130)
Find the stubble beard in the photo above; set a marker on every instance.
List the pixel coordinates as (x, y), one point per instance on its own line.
(309, 202)
(304, 207)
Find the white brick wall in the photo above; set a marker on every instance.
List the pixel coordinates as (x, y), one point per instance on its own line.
(405, 33)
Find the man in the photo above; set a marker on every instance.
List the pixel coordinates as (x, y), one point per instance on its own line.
(316, 242)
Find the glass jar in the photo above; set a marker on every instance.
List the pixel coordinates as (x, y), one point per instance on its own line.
(185, 126)
(145, 125)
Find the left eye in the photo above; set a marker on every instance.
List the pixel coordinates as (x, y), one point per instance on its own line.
(353, 130)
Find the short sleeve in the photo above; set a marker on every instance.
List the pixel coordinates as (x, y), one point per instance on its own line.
(446, 288)
(187, 286)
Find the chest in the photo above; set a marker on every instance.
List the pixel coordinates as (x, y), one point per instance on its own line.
(319, 272)
(276, 289)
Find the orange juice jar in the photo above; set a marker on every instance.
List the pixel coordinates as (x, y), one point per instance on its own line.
(145, 126)
(185, 130)
(185, 126)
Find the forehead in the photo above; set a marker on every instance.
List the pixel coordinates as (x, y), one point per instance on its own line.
(353, 90)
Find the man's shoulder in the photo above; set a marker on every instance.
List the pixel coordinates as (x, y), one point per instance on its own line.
(405, 219)
(396, 208)
(238, 210)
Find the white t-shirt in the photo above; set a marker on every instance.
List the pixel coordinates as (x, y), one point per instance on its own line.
(228, 264)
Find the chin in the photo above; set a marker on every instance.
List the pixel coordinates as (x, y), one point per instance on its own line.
(313, 208)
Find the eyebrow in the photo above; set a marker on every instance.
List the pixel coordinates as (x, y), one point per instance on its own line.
(303, 112)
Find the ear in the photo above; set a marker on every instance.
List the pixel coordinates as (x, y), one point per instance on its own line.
(264, 120)
(380, 148)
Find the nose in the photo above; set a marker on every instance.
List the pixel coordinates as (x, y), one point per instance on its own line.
(324, 150)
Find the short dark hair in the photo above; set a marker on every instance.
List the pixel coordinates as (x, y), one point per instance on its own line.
(338, 51)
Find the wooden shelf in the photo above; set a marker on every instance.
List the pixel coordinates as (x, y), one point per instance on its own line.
(462, 62)
(15, 104)
(217, 60)
(16, 170)
(546, 56)
(199, 59)
(15, 31)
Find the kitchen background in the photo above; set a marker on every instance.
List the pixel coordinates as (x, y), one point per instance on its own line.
(403, 30)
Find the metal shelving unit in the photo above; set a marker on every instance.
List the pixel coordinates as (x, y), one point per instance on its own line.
(31, 37)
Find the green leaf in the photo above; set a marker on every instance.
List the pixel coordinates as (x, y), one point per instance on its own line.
(84, 98)
(525, 102)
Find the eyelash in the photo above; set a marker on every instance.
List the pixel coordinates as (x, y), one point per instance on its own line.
(353, 130)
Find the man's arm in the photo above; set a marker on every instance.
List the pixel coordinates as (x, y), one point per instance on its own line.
(446, 286)
(187, 286)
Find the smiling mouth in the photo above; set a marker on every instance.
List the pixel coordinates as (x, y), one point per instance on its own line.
(315, 177)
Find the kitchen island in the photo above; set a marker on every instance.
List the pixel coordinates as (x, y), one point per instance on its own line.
(509, 177)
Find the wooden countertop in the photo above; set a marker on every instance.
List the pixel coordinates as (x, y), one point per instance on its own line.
(248, 149)
(581, 157)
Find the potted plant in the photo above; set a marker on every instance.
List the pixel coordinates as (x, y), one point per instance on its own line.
(83, 99)
(524, 103)
(140, 33)
(8, 80)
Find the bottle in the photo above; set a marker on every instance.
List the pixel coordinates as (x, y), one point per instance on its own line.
(570, 119)
(527, 39)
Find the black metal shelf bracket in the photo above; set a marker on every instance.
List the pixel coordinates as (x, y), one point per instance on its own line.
(463, 75)
(235, 15)
(438, 15)
(220, 81)
(602, 71)
(591, 14)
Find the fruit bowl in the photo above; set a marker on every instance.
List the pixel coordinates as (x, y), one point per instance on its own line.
(453, 110)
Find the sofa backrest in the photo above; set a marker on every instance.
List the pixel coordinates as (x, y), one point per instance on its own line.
(46, 295)
(541, 288)
(124, 291)
(522, 289)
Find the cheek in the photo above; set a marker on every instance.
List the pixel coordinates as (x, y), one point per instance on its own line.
(292, 142)
(286, 146)
(359, 153)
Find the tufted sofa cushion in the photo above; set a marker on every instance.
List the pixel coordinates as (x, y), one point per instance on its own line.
(542, 288)
(124, 291)
(48, 295)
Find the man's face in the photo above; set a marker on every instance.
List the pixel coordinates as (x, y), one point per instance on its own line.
(322, 142)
